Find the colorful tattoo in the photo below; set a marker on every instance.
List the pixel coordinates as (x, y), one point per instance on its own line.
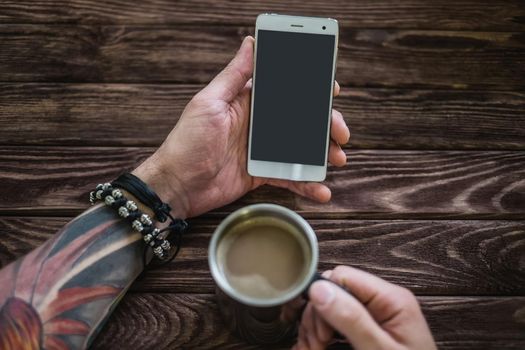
(57, 296)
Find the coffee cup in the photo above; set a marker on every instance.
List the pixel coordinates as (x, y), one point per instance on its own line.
(263, 258)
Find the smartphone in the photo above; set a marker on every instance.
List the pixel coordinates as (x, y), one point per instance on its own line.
(292, 91)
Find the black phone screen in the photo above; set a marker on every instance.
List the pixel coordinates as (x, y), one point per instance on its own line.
(291, 107)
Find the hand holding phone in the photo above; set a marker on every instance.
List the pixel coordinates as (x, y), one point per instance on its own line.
(202, 163)
(292, 91)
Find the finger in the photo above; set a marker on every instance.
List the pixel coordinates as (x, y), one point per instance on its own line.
(339, 130)
(316, 338)
(337, 88)
(347, 315)
(383, 299)
(336, 156)
(308, 328)
(312, 190)
(323, 330)
(248, 84)
(230, 81)
(302, 342)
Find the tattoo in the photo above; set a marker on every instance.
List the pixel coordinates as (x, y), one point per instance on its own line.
(57, 296)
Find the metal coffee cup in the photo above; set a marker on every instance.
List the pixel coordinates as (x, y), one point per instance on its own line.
(263, 320)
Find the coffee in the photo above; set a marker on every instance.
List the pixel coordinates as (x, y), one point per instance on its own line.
(263, 257)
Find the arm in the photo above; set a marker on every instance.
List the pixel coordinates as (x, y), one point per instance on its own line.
(59, 295)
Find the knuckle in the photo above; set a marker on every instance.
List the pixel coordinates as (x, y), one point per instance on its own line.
(339, 269)
(406, 294)
(406, 299)
(338, 273)
(349, 316)
(353, 319)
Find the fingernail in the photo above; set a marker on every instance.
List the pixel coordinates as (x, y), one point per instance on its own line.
(327, 274)
(321, 293)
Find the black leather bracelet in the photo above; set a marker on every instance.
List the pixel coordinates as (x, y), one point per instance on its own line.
(144, 194)
(155, 238)
(141, 222)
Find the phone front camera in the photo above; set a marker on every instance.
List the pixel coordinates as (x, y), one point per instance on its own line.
(324, 27)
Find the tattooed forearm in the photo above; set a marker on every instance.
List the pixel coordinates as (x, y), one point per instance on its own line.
(57, 296)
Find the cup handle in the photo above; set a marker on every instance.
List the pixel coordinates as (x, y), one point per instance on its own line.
(317, 276)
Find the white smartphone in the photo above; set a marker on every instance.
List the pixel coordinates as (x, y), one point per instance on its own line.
(292, 91)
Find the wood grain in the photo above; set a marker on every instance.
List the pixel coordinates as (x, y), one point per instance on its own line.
(91, 114)
(193, 321)
(379, 181)
(433, 119)
(86, 114)
(445, 257)
(442, 83)
(194, 54)
(426, 181)
(429, 257)
(18, 236)
(436, 14)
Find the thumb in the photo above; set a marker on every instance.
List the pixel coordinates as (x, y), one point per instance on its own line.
(232, 79)
(348, 316)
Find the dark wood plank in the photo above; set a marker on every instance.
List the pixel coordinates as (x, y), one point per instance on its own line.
(90, 114)
(93, 53)
(168, 321)
(432, 181)
(194, 54)
(443, 119)
(457, 60)
(429, 257)
(464, 14)
(383, 182)
(86, 114)
(18, 236)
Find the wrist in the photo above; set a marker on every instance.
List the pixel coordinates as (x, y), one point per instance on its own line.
(165, 184)
(141, 206)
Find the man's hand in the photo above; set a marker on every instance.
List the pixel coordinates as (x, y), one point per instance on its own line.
(202, 163)
(376, 315)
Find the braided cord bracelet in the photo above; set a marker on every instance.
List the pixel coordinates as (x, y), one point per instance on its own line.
(141, 222)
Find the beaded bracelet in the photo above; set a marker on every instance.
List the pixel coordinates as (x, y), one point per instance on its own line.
(141, 222)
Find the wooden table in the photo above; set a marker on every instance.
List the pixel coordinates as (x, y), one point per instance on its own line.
(432, 198)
